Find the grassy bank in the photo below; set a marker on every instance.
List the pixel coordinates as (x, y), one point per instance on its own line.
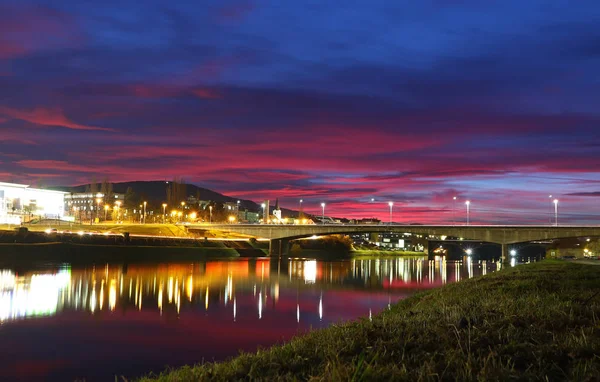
(534, 322)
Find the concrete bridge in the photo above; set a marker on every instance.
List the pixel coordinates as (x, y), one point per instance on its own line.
(280, 235)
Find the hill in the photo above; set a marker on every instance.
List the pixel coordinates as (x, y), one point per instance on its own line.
(156, 191)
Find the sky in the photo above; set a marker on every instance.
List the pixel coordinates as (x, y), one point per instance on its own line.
(332, 102)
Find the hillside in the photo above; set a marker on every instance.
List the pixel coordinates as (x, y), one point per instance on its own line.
(156, 191)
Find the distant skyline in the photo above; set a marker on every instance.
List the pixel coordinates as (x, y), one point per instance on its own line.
(325, 101)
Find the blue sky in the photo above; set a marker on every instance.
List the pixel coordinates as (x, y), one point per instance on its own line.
(414, 102)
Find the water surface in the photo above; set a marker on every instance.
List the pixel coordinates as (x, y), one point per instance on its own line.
(59, 322)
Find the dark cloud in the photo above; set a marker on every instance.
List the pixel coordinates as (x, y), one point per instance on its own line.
(323, 101)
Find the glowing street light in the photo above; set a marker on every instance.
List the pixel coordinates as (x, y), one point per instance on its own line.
(118, 208)
(145, 212)
(210, 214)
(555, 212)
(454, 211)
(300, 209)
(468, 204)
(550, 215)
(391, 204)
(323, 214)
(164, 206)
(231, 219)
(513, 252)
(263, 205)
(469, 251)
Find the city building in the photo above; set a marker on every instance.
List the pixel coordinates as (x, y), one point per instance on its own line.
(82, 205)
(20, 203)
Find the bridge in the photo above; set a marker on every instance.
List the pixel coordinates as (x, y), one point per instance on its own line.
(280, 235)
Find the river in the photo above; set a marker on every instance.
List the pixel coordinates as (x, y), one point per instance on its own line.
(61, 322)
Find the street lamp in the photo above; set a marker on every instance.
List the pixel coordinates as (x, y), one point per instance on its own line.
(98, 200)
(210, 213)
(300, 209)
(556, 212)
(263, 205)
(323, 215)
(468, 204)
(454, 211)
(164, 206)
(550, 215)
(391, 204)
(118, 208)
(105, 211)
(145, 212)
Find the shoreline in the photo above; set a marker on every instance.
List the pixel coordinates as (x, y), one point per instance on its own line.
(530, 322)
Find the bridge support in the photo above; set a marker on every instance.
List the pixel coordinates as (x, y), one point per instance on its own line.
(504, 253)
(279, 247)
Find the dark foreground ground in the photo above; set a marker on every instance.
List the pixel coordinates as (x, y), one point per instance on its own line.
(533, 322)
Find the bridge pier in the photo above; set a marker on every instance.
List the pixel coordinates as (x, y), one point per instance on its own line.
(279, 247)
(504, 253)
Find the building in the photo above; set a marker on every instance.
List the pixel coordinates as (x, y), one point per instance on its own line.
(82, 205)
(20, 203)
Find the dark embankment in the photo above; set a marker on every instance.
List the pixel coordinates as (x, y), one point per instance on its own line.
(25, 246)
(532, 322)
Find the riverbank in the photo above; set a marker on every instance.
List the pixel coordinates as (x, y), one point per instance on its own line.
(378, 252)
(532, 322)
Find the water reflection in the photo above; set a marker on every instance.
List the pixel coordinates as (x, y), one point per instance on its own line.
(221, 306)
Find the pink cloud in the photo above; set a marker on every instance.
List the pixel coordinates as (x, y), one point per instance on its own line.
(47, 117)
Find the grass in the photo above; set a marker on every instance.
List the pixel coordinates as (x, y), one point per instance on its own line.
(533, 322)
(134, 229)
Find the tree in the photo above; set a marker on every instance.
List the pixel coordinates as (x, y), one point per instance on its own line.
(93, 187)
(594, 247)
(107, 190)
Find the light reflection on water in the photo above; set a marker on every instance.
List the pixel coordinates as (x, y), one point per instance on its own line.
(205, 310)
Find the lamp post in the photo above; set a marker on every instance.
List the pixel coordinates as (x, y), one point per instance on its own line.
(550, 214)
(210, 214)
(164, 206)
(468, 204)
(105, 211)
(300, 209)
(555, 212)
(323, 215)
(391, 204)
(98, 200)
(118, 208)
(263, 205)
(454, 211)
(145, 212)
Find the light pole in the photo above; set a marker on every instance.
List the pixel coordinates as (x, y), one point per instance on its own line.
(182, 206)
(237, 210)
(454, 211)
(556, 212)
(468, 204)
(263, 205)
(164, 206)
(145, 212)
(118, 207)
(105, 211)
(323, 215)
(210, 214)
(300, 209)
(550, 215)
(391, 204)
(98, 200)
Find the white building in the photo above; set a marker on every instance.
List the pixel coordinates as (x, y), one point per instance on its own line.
(19, 203)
